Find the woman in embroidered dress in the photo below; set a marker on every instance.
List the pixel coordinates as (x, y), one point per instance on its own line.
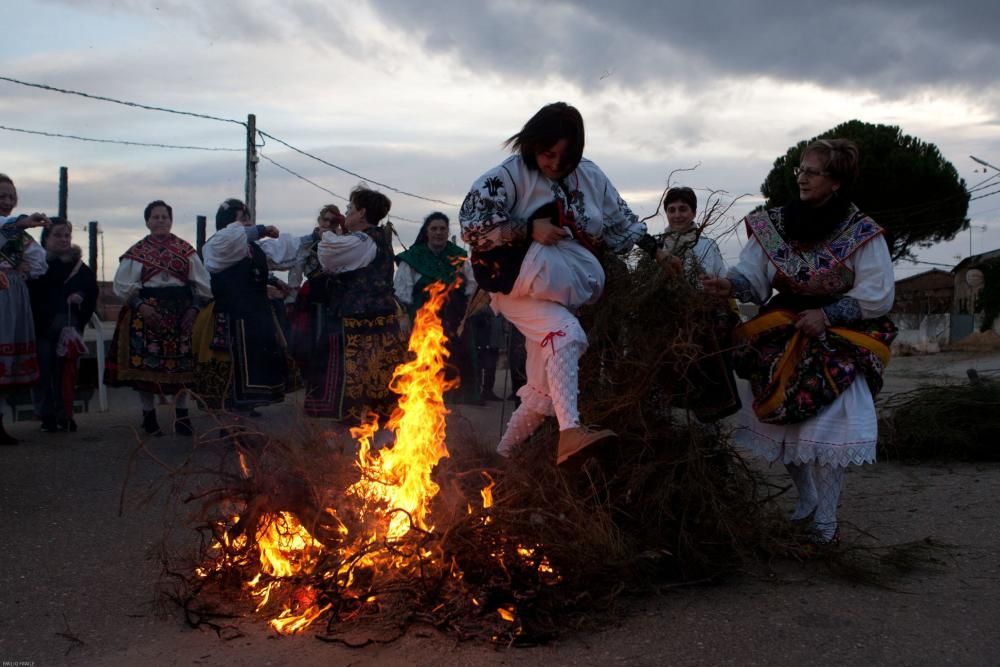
(306, 264)
(536, 225)
(164, 284)
(359, 338)
(307, 267)
(815, 355)
(20, 258)
(242, 353)
(65, 296)
(433, 258)
(710, 390)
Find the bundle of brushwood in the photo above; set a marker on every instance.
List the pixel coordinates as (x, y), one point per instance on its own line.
(957, 422)
(515, 550)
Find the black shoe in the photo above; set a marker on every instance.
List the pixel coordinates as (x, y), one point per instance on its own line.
(50, 425)
(68, 425)
(6, 438)
(149, 423)
(182, 425)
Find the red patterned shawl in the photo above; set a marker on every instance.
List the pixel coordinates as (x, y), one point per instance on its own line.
(171, 255)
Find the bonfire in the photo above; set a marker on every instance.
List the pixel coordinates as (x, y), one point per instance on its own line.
(347, 538)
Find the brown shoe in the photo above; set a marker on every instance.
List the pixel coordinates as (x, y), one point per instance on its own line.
(575, 440)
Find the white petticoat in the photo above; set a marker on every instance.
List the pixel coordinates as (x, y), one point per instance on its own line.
(843, 433)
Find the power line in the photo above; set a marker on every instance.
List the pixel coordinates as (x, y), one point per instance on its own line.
(119, 141)
(352, 173)
(301, 177)
(988, 194)
(317, 185)
(136, 105)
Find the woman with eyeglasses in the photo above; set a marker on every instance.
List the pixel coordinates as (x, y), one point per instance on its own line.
(814, 355)
(20, 259)
(65, 296)
(164, 284)
(358, 336)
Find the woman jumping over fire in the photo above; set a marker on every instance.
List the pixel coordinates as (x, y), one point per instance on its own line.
(537, 225)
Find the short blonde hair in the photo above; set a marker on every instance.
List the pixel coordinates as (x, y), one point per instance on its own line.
(840, 157)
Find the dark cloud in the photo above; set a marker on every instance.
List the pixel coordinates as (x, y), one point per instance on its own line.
(890, 46)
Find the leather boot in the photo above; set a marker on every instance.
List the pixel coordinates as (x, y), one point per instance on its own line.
(182, 424)
(149, 423)
(574, 440)
(6, 438)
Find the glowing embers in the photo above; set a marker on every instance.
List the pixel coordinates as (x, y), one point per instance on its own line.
(299, 575)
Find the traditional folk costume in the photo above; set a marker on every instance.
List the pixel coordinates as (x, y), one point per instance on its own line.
(157, 358)
(357, 340)
(66, 275)
(240, 348)
(20, 257)
(418, 268)
(540, 293)
(813, 397)
(711, 391)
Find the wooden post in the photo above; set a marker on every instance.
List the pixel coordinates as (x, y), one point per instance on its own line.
(251, 176)
(63, 191)
(92, 236)
(199, 233)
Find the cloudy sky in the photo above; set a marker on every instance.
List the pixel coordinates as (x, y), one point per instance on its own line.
(420, 95)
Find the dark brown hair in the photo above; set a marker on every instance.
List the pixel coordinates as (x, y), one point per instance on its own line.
(375, 204)
(153, 204)
(545, 129)
(683, 194)
(228, 210)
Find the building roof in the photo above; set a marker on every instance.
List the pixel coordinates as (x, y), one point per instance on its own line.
(975, 260)
(924, 274)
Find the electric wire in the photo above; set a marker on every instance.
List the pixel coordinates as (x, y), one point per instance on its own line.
(119, 141)
(353, 173)
(136, 105)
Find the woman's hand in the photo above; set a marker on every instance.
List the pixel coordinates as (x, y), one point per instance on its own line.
(812, 322)
(74, 299)
(33, 220)
(544, 232)
(149, 316)
(717, 286)
(4, 283)
(670, 264)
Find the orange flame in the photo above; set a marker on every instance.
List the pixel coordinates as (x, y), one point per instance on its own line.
(487, 491)
(400, 476)
(394, 491)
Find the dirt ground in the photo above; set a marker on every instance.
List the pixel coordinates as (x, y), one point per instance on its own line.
(77, 580)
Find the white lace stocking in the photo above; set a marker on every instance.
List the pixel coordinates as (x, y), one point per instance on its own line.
(522, 424)
(801, 474)
(563, 371)
(829, 483)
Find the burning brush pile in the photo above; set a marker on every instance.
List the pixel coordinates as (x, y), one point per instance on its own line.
(364, 541)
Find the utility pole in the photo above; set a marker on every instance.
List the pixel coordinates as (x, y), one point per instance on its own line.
(994, 168)
(251, 178)
(199, 233)
(63, 191)
(92, 236)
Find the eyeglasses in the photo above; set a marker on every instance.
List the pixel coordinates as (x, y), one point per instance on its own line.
(348, 209)
(809, 173)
